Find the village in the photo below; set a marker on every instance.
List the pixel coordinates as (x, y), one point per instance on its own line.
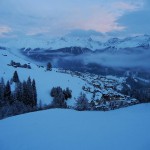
(105, 90)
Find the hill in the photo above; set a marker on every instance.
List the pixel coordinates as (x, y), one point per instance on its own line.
(125, 129)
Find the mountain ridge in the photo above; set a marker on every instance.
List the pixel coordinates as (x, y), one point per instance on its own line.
(91, 43)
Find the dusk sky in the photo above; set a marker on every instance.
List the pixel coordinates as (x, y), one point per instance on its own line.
(60, 17)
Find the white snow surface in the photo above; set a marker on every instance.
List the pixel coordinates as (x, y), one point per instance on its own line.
(56, 129)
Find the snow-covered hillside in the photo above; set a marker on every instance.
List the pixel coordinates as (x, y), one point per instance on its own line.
(96, 87)
(44, 80)
(123, 129)
(92, 43)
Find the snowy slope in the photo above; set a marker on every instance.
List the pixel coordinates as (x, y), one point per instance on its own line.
(124, 129)
(44, 80)
(94, 86)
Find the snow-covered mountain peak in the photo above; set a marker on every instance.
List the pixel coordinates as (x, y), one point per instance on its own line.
(129, 42)
(91, 42)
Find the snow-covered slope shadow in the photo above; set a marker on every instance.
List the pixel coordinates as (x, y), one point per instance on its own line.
(123, 129)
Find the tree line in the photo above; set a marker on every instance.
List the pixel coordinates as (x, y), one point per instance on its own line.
(138, 89)
(19, 99)
(60, 98)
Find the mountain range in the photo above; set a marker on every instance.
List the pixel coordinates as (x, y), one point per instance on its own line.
(92, 43)
(75, 52)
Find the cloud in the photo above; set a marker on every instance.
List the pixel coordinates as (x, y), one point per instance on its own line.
(137, 22)
(130, 5)
(53, 17)
(37, 31)
(84, 33)
(125, 58)
(4, 30)
(140, 60)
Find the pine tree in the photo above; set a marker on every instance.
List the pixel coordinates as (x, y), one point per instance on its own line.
(18, 94)
(67, 93)
(59, 101)
(82, 103)
(92, 105)
(34, 93)
(56, 91)
(25, 93)
(29, 92)
(7, 93)
(49, 67)
(15, 77)
(2, 87)
(29, 84)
